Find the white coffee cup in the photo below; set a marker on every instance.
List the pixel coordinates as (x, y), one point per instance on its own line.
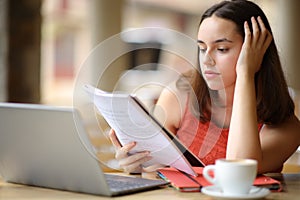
(233, 177)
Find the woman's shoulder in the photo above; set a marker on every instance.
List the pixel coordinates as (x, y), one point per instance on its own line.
(286, 132)
(292, 124)
(171, 105)
(172, 95)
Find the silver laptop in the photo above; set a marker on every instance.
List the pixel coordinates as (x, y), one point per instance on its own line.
(43, 146)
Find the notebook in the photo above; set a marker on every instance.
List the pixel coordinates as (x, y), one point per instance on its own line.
(48, 146)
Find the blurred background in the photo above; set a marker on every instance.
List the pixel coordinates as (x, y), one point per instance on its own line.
(43, 43)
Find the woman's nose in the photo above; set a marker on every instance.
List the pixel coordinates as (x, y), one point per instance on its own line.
(208, 60)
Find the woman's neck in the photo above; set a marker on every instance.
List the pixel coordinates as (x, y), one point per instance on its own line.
(222, 107)
(224, 98)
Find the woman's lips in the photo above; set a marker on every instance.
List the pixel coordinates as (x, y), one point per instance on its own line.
(211, 74)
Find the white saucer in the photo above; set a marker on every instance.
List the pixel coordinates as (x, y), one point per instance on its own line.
(255, 193)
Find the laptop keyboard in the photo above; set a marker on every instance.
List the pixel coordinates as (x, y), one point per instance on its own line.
(124, 183)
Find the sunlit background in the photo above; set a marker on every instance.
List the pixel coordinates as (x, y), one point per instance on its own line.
(71, 28)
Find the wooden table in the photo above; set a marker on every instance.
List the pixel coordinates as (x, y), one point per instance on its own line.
(15, 191)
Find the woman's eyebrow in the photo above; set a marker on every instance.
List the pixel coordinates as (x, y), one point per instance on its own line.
(216, 41)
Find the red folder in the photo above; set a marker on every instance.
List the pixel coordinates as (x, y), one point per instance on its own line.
(188, 183)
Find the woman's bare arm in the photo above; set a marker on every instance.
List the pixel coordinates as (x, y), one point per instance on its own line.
(278, 143)
(273, 145)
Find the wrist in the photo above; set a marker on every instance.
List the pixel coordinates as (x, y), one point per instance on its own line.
(245, 80)
(245, 71)
(245, 75)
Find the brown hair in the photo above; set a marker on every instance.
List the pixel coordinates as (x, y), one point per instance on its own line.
(274, 104)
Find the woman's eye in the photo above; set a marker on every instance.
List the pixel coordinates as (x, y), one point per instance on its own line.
(202, 50)
(223, 50)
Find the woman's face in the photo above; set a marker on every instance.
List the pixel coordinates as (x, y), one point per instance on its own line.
(219, 48)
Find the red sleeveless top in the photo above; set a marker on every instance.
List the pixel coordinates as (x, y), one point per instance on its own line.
(205, 140)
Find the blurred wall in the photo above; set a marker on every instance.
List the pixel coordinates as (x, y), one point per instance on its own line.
(106, 21)
(3, 48)
(289, 31)
(290, 41)
(24, 39)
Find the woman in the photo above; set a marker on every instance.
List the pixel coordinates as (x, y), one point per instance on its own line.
(241, 108)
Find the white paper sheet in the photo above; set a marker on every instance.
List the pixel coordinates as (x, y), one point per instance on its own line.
(132, 123)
